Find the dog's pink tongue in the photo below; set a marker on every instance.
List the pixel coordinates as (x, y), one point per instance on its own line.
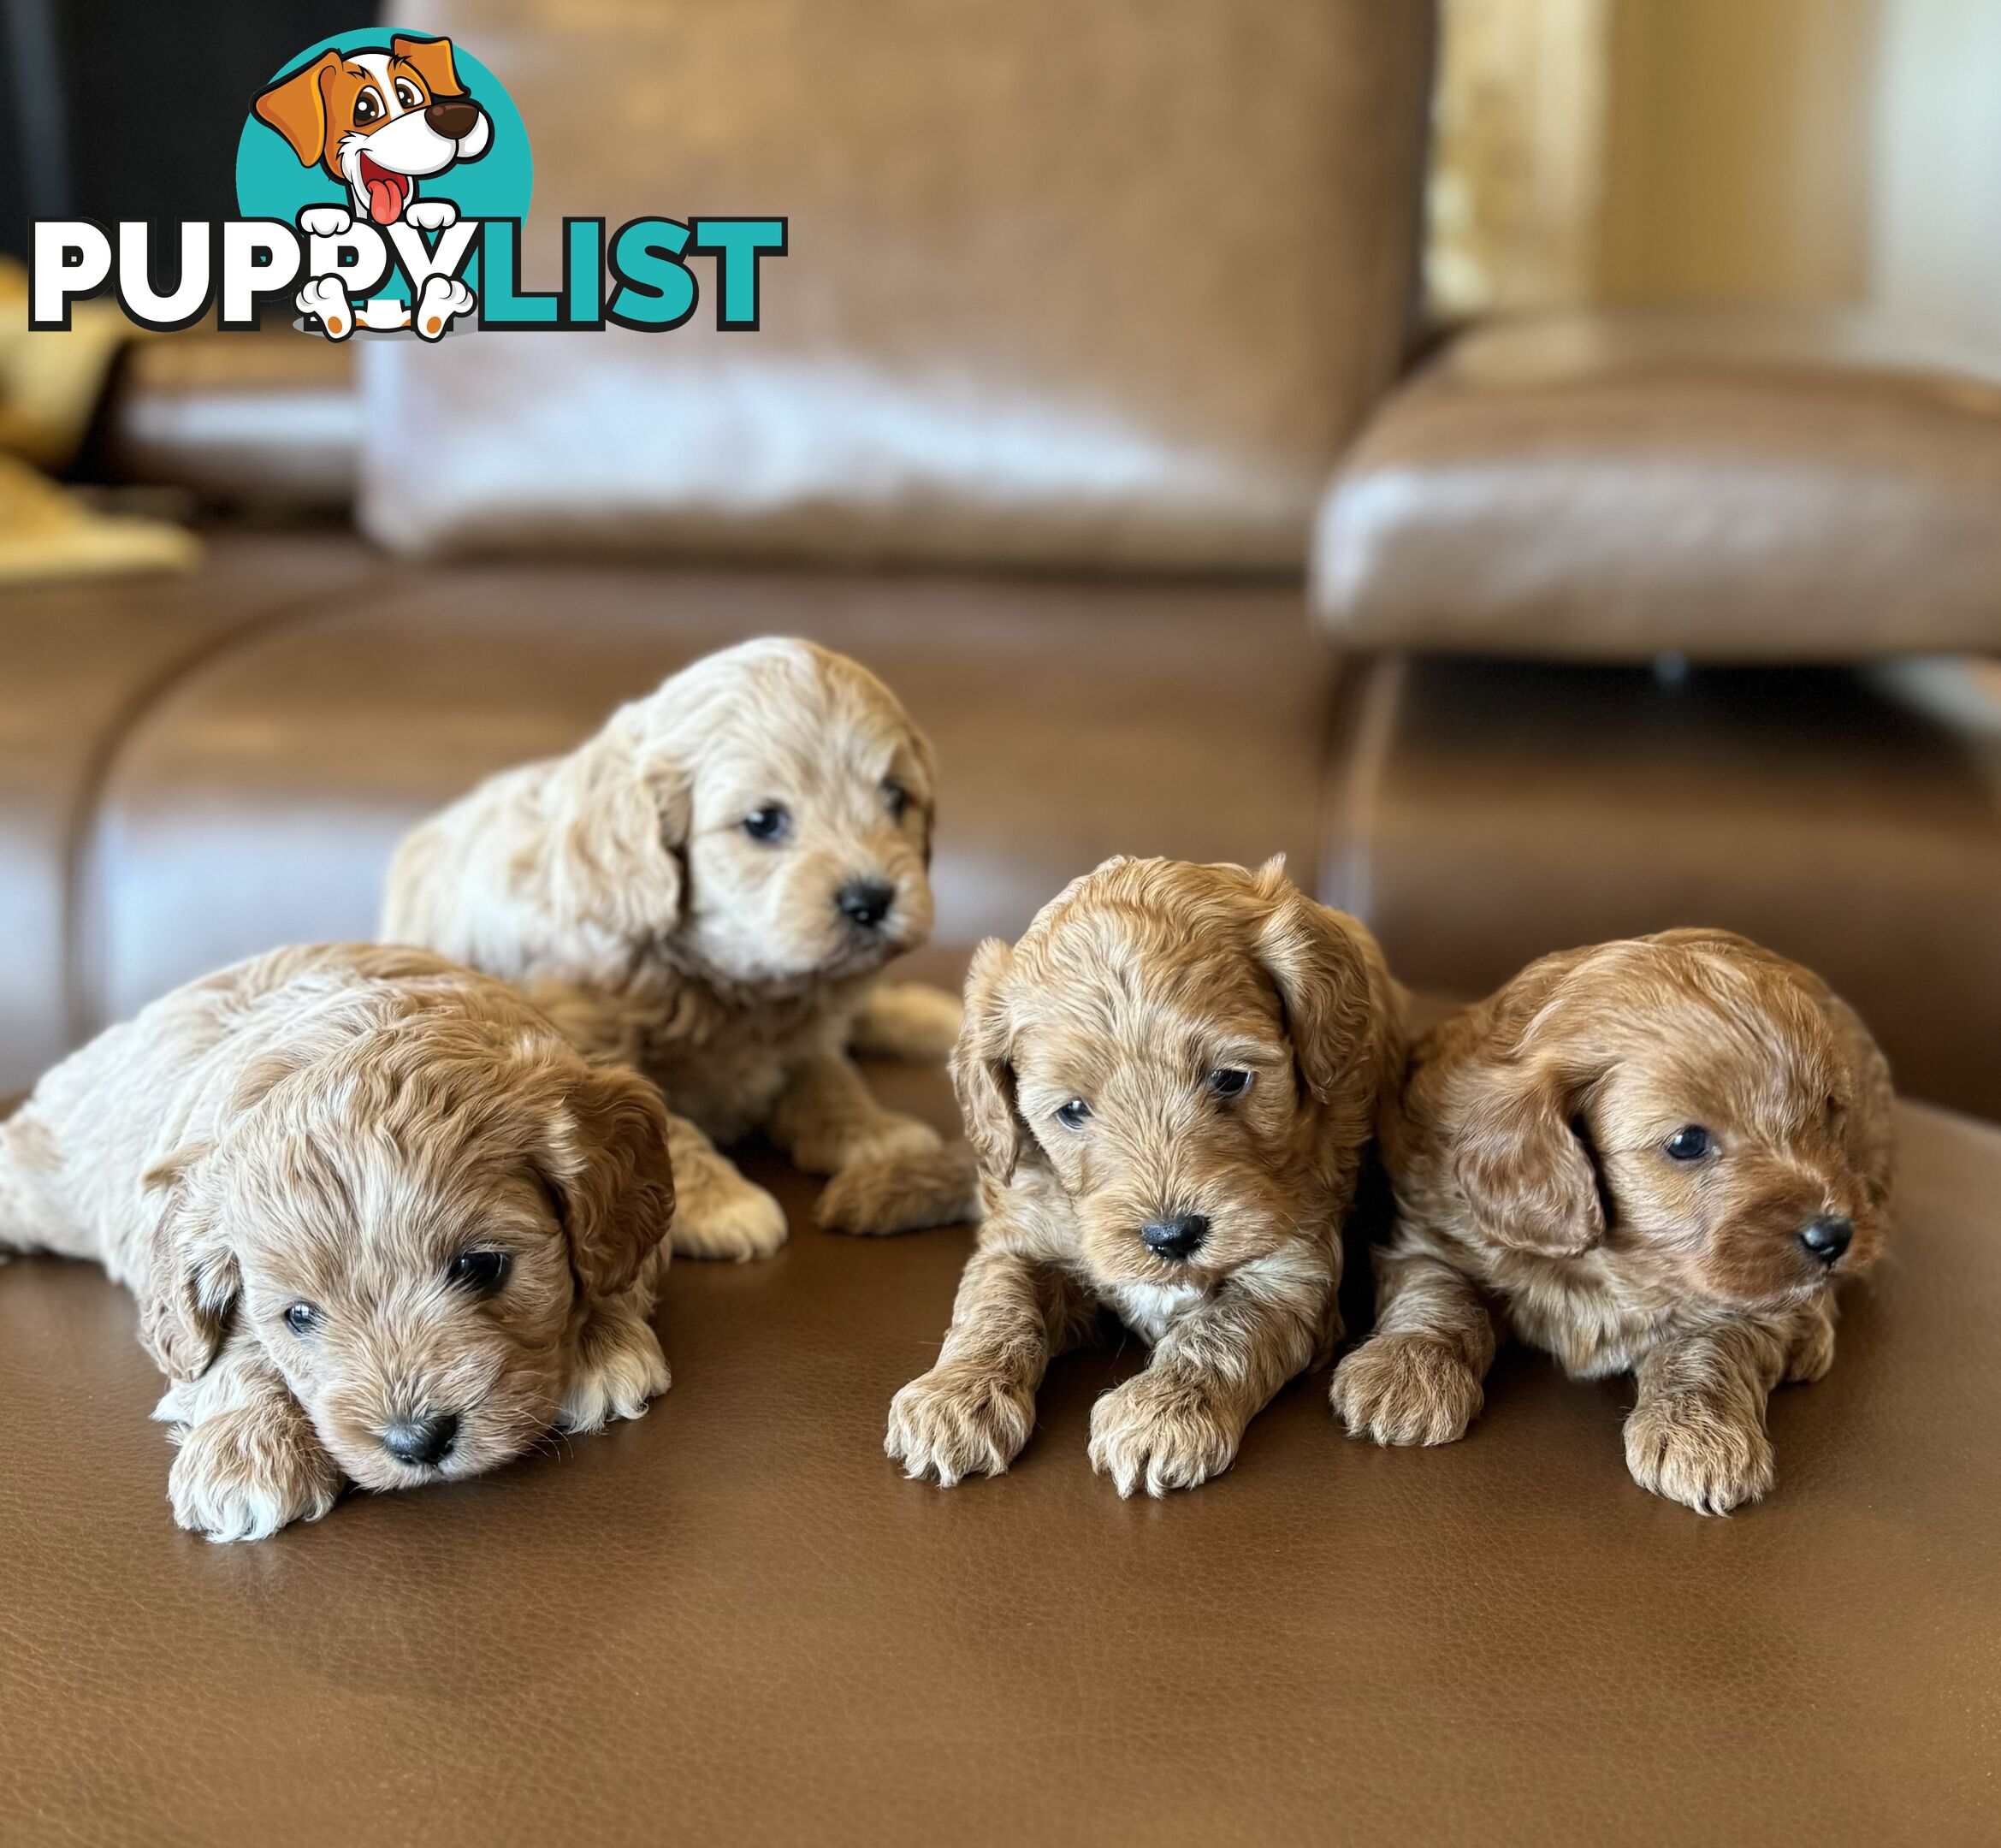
(385, 197)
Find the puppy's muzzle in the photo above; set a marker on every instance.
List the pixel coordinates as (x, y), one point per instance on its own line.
(424, 1441)
(1176, 1237)
(453, 117)
(865, 903)
(1827, 1237)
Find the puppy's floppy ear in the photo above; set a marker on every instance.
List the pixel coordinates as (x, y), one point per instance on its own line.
(1320, 961)
(188, 1280)
(604, 1157)
(982, 1076)
(619, 829)
(432, 59)
(926, 761)
(297, 107)
(1527, 1174)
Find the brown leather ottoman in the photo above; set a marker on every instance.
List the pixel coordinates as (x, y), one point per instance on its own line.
(735, 1622)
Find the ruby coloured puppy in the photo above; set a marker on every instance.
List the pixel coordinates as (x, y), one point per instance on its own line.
(1170, 1084)
(1657, 1156)
(382, 1223)
(707, 890)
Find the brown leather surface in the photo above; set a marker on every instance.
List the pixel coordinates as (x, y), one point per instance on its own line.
(267, 421)
(1730, 486)
(1481, 813)
(1106, 284)
(735, 1622)
(259, 802)
(79, 660)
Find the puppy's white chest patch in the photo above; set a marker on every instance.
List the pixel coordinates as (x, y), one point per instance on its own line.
(1151, 1309)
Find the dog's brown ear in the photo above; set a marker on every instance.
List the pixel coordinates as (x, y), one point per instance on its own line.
(618, 830)
(297, 107)
(1525, 1172)
(982, 1075)
(926, 761)
(432, 60)
(186, 1281)
(1320, 960)
(604, 1157)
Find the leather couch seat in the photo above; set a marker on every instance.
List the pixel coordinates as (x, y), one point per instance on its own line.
(735, 1620)
(1733, 485)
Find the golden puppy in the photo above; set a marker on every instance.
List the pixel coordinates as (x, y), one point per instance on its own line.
(1659, 1155)
(381, 1221)
(706, 889)
(1169, 1083)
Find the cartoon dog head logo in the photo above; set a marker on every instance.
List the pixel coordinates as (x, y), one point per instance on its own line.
(381, 120)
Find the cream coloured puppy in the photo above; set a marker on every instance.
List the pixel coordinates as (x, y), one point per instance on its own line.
(382, 1223)
(706, 889)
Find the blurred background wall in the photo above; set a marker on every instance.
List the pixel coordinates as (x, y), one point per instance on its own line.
(1845, 152)
(1836, 151)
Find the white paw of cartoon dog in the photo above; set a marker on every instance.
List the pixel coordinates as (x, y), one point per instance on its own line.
(326, 221)
(325, 298)
(430, 215)
(442, 300)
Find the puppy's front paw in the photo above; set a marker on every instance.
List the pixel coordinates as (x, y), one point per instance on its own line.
(907, 1021)
(242, 1475)
(956, 1421)
(893, 1139)
(620, 1370)
(325, 220)
(1158, 1433)
(1405, 1389)
(739, 1222)
(907, 1194)
(431, 214)
(1682, 1448)
(1813, 1351)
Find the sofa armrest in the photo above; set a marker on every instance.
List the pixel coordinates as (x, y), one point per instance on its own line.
(1742, 485)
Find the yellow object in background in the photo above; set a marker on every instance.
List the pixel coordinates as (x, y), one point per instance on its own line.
(50, 386)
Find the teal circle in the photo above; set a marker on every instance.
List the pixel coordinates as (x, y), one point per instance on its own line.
(270, 183)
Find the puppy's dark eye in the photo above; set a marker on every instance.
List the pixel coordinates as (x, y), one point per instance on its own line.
(768, 824)
(896, 799)
(1228, 1082)
(366, 108)
(303, 1318)
(482, 1272)
(407, 94)
(1075, 1114)
(1690, 1144)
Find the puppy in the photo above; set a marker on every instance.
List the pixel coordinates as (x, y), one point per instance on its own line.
(706, 890)
(1659, 1155)
(382, 1223)
(1170, 1084)
(379, 121)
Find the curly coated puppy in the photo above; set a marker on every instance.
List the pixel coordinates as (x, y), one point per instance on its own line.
(1170, 1084)
(706, 889)
(1659, 1155)
(382, 1223)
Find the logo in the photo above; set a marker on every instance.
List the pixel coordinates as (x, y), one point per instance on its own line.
(382, 178)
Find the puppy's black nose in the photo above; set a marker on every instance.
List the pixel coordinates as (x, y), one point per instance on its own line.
(453, 117)
(1827, 1237)
(866, 902)
(421, 1439)
(1179, 1237)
